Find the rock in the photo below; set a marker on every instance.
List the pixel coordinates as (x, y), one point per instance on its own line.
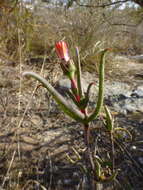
(122, 97)
(111, 88)
(140, 160)
(138, 91)
(138, 58)
(121, 58)
(117, 88)
(139, 76)
(131, 103)
(64, 85)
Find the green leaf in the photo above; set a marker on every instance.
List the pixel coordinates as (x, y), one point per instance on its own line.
(101, 88)
(65, 106)
(70, 94)
(83, 103)
(109, 120)
(98, 168)
(78, 66)
(107, 163)
(88, 90)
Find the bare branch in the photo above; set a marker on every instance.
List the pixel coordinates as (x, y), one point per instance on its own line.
(139, 2)
(102, 5)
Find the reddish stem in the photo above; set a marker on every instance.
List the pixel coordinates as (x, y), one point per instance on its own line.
(74, 88)
(73, 84)
(86, 134)
(77, 97)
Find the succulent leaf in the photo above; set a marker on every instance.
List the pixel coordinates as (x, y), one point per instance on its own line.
(109, 121)
(83, 103)
(78, 66)
(65, 106)
(101, 88)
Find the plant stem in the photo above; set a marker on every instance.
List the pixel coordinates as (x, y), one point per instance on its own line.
(88, 145)
(93, 184)
(91, 176)
(75, 90)
(87, 135)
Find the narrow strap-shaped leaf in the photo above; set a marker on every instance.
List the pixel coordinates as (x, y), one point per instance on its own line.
(88, 91)
(101, 88)
(83, 103)
(109, 120)
(79, 84)
(98, 169)
(70, 94)
(65, 106)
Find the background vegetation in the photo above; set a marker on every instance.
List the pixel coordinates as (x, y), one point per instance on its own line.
(35, 26)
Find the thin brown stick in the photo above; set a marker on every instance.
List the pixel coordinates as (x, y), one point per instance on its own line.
(102, 5)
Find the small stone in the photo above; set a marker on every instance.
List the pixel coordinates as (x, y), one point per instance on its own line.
(133, 147)
(140, 159)
(75, 175)
(67, 181)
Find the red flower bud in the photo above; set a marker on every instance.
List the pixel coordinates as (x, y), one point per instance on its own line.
(62, 50)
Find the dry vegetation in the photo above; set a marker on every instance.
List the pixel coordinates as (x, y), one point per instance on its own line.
(27, 113)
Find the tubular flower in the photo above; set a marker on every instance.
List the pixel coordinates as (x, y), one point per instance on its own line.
(62, 50)
(68, 67)
(67, 64)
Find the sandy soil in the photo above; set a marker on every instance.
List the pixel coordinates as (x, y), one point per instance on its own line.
(35, 136)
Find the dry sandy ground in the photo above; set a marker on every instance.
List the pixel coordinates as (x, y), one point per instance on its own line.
(32, 128)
